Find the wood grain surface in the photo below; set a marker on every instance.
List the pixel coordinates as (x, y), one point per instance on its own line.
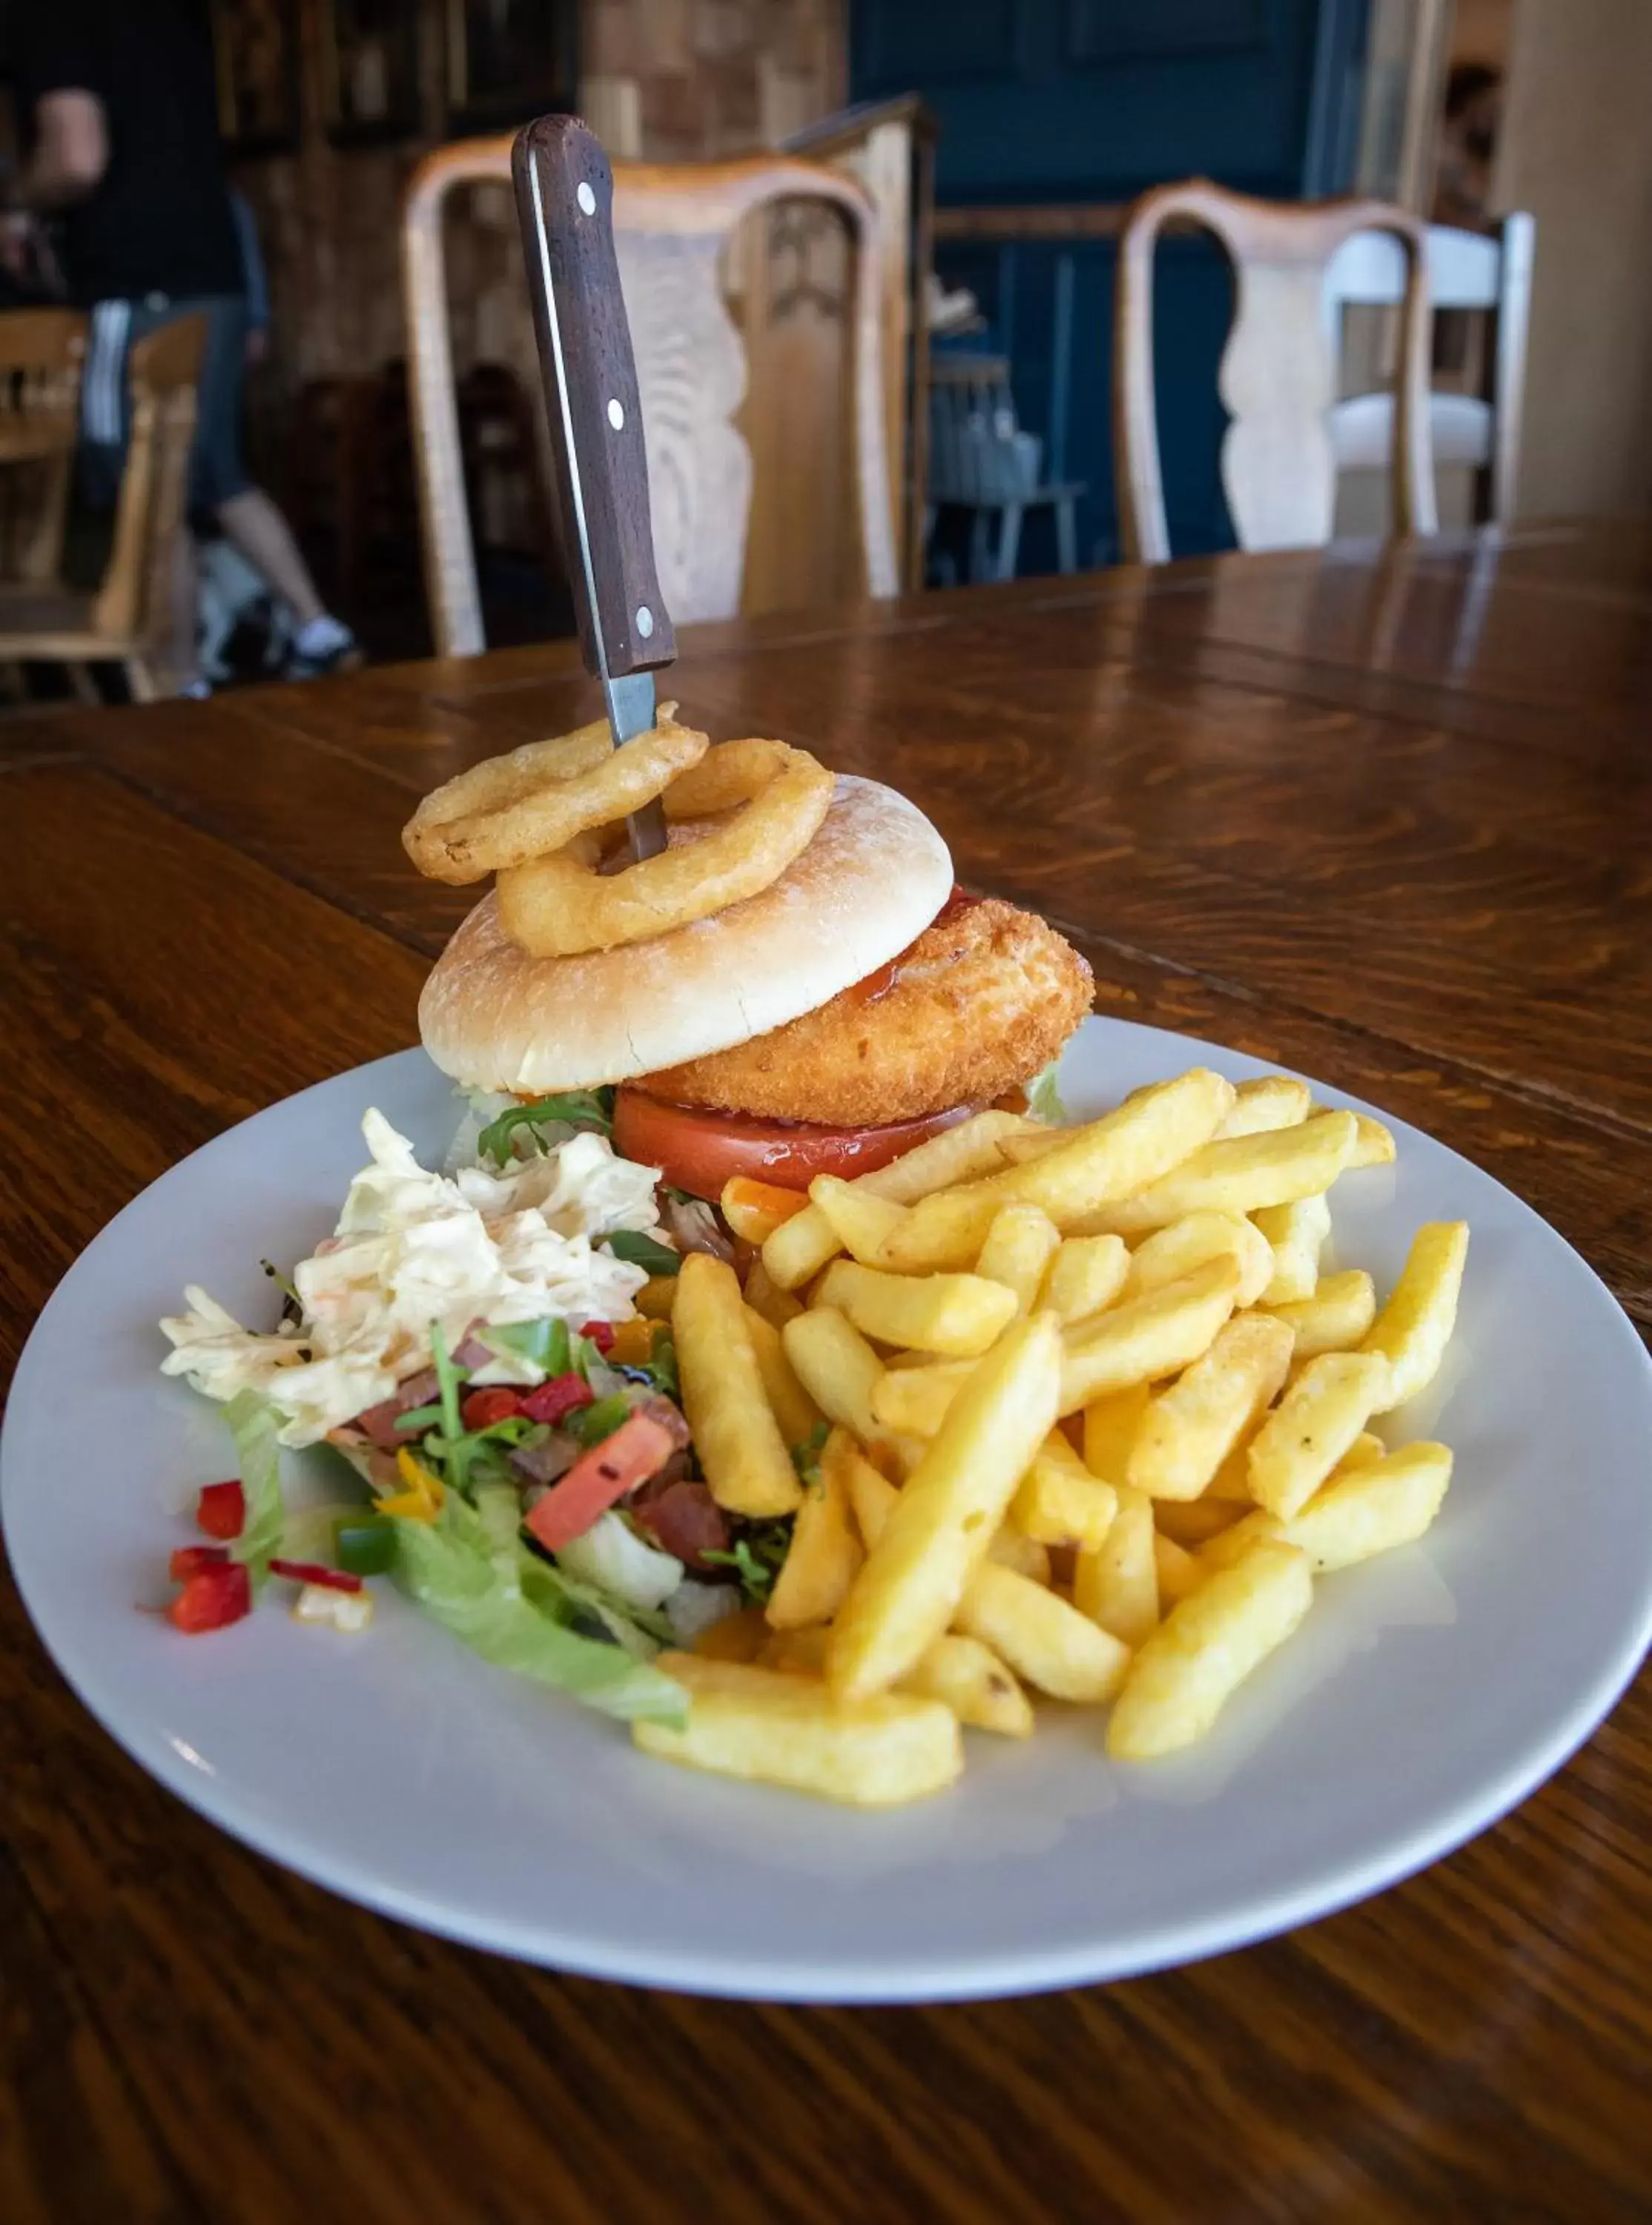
(1382, 816)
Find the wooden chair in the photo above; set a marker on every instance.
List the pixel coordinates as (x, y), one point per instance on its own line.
(672, 225)
(40, 353)
(1471, 272)
(981, 461)
(1278, 371)
(129, 620)
(889, 147)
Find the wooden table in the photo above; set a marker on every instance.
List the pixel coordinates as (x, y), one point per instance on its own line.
(1384, 818)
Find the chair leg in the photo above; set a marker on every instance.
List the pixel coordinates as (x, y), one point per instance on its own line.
(977, 559)
(141, 680)
(1066, 535)
(1008, 541)
(85, 688)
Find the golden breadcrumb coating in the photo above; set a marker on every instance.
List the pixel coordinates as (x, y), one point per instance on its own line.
(984, 998)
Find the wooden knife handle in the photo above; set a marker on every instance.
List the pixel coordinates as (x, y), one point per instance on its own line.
(565, 200)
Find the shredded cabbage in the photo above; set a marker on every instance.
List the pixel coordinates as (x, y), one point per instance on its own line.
(412, 1248)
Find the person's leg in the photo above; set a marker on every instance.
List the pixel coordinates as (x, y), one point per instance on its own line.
(251, 523)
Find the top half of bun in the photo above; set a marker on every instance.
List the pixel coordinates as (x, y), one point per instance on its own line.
(875, 875)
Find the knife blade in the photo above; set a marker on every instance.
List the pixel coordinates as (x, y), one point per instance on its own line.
(565, 196)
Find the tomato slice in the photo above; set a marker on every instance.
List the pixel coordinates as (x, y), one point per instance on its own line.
(699, 1151)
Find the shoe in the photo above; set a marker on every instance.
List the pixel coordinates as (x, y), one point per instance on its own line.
(320, 648)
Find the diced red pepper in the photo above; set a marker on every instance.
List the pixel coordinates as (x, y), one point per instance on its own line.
(555, 1400)
(221, 1510)
(316, 1572)
(601, 1333)
(638, 1448)
(189, 1560)
(213, 1598)
(482, 1408)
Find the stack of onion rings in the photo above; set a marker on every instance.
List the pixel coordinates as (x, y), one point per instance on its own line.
(511, 808)
(545, 819)
(560, 905)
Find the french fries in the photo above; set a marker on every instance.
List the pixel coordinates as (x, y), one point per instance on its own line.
(957, 1316)
(960, 1672)
(1239, 1175)
(1374, 1145)
(1156, 1272)
(761, 1724)
(937, 1533)
(743, 1455)
(1277, 1100)
(1061, 1503)
(835, 1366)
(1152, 1131)
(1366, 1508)
(1174, 1251)
(1314, 1425)
(1210, 1642)
(968, 1677)
(825, 1548)
(1051, 1645)
(777, 1306)
(1084, 1277)
(1179, 1571)
(860, 1219)
(1117, 1584)
(1336, 1315)
(1191, 1426)
(1019, 1247)
(1414, 1327)
(793, 1408)
(1109, 1426)
(916, 1398)
(1013, 1548)
(795, 1253)
(1146, 1339)
(1297, 1233)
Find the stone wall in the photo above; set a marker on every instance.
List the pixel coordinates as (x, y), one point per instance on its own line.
(664, 79)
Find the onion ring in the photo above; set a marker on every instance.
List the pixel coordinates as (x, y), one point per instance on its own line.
(509, 809)
(561, 905)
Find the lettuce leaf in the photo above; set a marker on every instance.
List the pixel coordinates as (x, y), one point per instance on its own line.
(574, 1110)
(534, 1626)
(253, 1422)
(1044, 1097)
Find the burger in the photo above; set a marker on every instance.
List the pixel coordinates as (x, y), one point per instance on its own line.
(857, 1005)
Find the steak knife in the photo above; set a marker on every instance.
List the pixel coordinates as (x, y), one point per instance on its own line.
(564, 202)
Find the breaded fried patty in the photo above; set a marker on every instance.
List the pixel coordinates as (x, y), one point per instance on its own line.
(983, 999)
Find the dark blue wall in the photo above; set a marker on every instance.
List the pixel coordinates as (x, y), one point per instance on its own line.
(1092, 100)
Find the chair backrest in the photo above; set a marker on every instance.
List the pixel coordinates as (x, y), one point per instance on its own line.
(1469, 271)
(40, 354)
(977, 451)
(135, 600)
(1278, 370)
(672, 224)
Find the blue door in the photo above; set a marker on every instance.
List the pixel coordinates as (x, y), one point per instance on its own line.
(1079, 102)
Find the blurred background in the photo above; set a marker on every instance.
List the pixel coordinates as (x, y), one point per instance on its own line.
(1000, 142)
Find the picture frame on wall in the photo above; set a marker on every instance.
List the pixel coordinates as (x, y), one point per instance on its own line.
(507, 60)
(369, 70)
(254, 48)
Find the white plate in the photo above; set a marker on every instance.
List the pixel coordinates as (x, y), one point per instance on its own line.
(1425, 1695)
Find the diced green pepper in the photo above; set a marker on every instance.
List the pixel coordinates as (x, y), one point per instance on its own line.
(365, 1544)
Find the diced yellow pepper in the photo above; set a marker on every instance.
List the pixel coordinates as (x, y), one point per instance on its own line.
(422, 1499)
